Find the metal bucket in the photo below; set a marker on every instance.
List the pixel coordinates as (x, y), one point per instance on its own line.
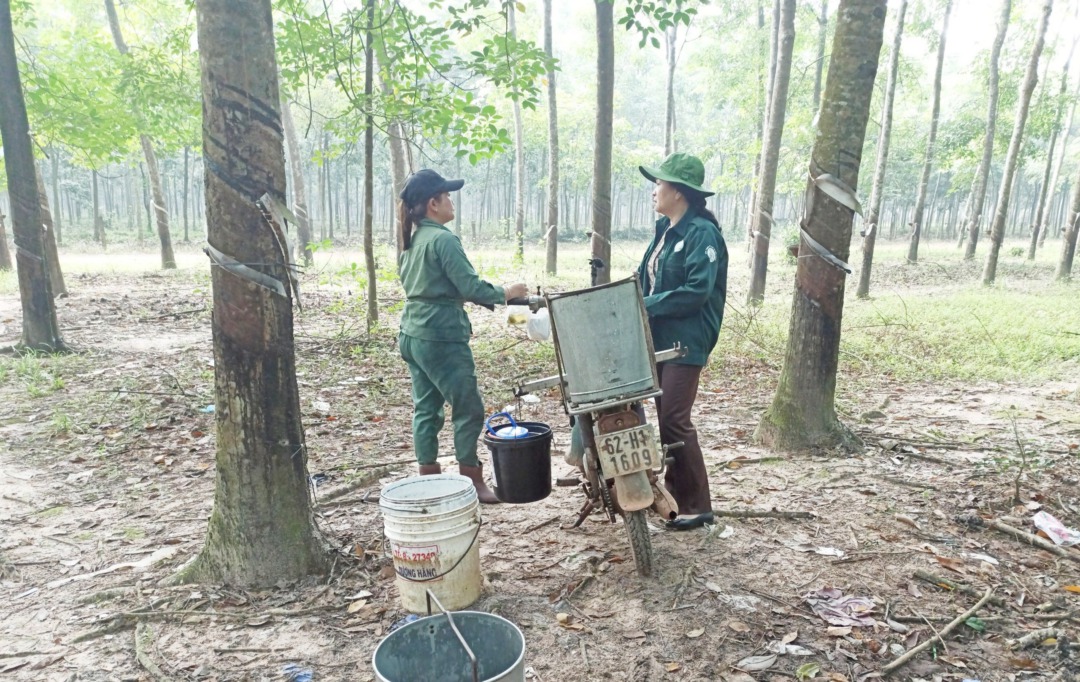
(604, 343)
(463, 646)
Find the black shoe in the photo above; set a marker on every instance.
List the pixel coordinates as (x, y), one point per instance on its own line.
(690, 522)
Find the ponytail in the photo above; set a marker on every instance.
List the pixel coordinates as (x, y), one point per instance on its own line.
(697, 202)
(408, 218)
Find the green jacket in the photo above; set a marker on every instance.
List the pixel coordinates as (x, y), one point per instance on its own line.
(686, 302)
(438, 279)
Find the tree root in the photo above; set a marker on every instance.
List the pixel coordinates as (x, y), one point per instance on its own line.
(363, 481)
(939, 637)
(1033, 638)
(144, 640)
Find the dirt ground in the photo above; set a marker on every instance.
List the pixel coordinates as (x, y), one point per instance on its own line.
(106, 476)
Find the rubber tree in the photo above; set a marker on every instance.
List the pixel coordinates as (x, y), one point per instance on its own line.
(1056, 176)
(819, 64)
(48, 237)
(671, 36)
(40, 328)
(605, 99)
(884, 135)
(261, 530)
(931, 142)
(299, 186)
(803, 414)
(763, 209)
(161, 213)
(765, 109)
(551, 229)
(1038, 224)
(5, 252)
(1012, 158)
(1068, 238)
(369, 176)
(519, 155)
(978, 188)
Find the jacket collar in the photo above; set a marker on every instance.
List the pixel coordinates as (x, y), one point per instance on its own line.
(678, 228)
(428, 222)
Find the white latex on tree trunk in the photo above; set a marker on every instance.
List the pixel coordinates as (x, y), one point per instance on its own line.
(803, 413)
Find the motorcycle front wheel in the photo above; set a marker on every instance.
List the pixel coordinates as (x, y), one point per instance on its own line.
(637, 531)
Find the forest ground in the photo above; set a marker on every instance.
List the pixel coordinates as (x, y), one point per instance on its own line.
(964, 396)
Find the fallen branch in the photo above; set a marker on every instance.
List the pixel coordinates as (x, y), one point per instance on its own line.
(955, 623)
(910, 484)
(753, 514)
(540, 525)
(20, 654)
(751, 460)
(144, 639)
(378, 471)
(1034, 540)
(946, 584)
(1033, 638)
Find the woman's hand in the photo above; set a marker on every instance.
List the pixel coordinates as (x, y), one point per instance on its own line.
(516, 290)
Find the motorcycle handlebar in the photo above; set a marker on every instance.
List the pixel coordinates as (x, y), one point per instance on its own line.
(533, 302)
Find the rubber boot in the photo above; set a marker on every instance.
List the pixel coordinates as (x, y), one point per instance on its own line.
(476, 475)
(430, 469)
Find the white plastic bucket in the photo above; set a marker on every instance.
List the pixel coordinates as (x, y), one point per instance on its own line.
(433, 523)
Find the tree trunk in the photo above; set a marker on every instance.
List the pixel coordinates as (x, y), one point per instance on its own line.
(763, 212)
(369, 177)
(519, 158)
(551, 231)
(40, 329)
(873, 218)
(168, 258)
(1062, 204)
(261, 531)
(187, 154)
(1046, 192)
(763, 114)
(1068, 239)
(605, 97)
(978, 188)
(931, 140)
(803, 413)
(822, 38)
(48, 237)
(997, 231)
(146, 206)
(57, 222)
(296, 166)
(670, 37)
(5, 252)
(99, 221)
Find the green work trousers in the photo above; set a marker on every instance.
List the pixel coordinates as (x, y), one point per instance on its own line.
(443, 372)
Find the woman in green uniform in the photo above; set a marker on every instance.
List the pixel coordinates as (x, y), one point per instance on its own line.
(438, 279)
(684, 279)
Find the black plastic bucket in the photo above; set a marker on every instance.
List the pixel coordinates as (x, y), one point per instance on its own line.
(522, 466)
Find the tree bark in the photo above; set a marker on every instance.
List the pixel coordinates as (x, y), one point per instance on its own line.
(261, 530)
(299, 188)
(48, 238)
(605, 99)
(762, 131)
(40, 329)
(1068, 239)
(670, 37)
(931, 141)
(168, 258)
(997, 230)
(763, 211)
(803, 414)
(99, 221)
(873, 218)
(369, 177)
(551, 230)
(978, 188)
(519, 158)
(1062, 204)
(187, 154)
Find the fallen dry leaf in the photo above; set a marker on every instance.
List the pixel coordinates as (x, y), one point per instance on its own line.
(790, 637)
(738, 626)
(756, 663)
(634, 634)
(838, 632)
(694, 634)
(1073, 588)
(672, 667)
(952, 564)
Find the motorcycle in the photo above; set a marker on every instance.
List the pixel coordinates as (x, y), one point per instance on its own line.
(607, 369)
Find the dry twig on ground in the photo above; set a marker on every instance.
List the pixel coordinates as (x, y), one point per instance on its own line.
(956, 622)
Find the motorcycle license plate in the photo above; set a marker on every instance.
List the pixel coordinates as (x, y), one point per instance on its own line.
(629, 451)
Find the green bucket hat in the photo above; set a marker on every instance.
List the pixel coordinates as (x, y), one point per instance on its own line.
(683, 169)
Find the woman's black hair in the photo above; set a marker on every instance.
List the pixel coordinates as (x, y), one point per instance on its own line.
(697, 202)
(408, 218)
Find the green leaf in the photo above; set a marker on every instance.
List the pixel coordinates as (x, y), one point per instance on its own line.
(975, 624)
(655, 41)
(807, 671)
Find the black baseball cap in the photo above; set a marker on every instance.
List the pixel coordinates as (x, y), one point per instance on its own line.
(426, 183)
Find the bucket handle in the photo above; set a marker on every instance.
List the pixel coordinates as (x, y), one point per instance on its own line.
(453, 626)
(456, 563)
(487, 424)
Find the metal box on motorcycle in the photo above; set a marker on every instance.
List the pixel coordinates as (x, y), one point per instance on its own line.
(603, 345)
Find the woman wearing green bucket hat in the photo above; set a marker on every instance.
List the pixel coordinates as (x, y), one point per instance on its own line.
(684, 279)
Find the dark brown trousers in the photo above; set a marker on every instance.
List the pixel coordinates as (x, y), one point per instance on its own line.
(686, 479)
